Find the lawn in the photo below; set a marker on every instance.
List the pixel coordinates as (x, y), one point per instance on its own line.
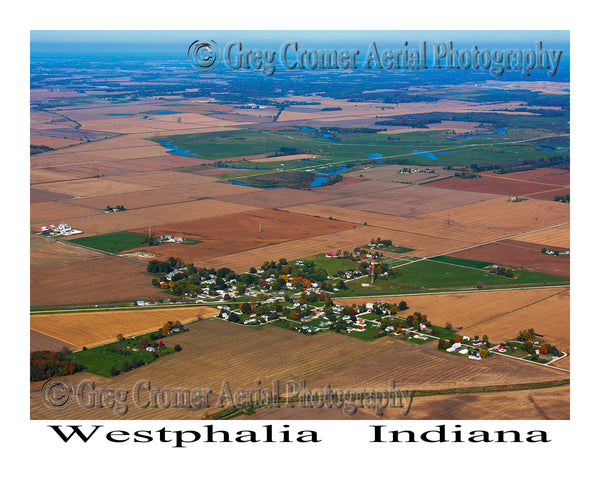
(111, 242)
(332, 265)
(461, 261)
(99, 360)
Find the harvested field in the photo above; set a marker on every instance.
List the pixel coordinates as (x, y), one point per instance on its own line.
(540, 404)
(489, 220)
(551, 176)
(549, 318)
(157, 215)
(522, 255)
(39, 341)
(409, 201)
(90, 186)
(390, 173)
(89, 281)
(205, 188)
(476, 311)
(550, 194)
(45, 252)
(214, 351)
(239, 232)
(492, 184)
(281, 158)
(358, 188)
(161, 178)
(278, 197)
(96, 328)
(557, 236)
(55, 211)
(39, 196)
(52, 142)
(44, 175)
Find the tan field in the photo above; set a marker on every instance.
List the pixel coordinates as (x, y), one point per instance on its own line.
(549, 317)
(55, 211)
(490, 220)
(96, 328)
(158, 215)
(52, 142)
(500, 314)
(215, 351)
(45, 252)
(557, 236)
(204, 187)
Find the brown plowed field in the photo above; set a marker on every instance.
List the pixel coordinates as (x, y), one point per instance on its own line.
(409, 201)
(552, 176)
(478, 311)
(521, 255)
(96, 328)
(551, 194)
(228, 234)
(559, 236)
(39, 341)
(278, 197)
(215, 351)
(541, 404)
(39, 196)
(96, 280)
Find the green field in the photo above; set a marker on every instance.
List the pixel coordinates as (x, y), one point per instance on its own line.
(499, 149)
(392, 249)
(427, 274)
(111, 242)
(461, 261)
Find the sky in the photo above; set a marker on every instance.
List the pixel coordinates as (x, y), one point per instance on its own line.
(169, 40)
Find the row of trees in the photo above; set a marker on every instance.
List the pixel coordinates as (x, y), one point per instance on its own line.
(45, 364)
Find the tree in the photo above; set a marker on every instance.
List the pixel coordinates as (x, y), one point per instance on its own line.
(114, 371)
(246, 308)
(120, 337)
(177, 347)
(483, 352)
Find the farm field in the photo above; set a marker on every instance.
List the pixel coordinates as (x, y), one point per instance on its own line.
(280, 354)
(521, 255)
(541, 404)
(45, 252)
(57, 212)
(90, 281)
(558, 236)
(410, 201)
(204, 187)
(497, 184)
(240, 232)
(95, 328)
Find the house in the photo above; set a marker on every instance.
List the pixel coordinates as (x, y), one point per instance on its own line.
(455, 346)
(150, 349)
(463, 351)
